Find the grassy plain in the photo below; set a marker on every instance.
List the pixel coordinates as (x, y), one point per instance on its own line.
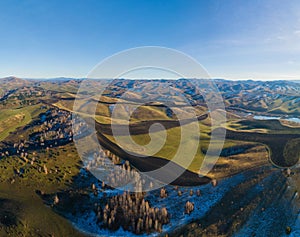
(25, 212)
(11, 119)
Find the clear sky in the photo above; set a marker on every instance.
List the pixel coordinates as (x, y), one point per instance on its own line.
(254, 39)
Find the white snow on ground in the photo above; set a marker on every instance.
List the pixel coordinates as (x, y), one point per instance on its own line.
(175, 205)
(259, 222)
(269, 221)
(296, 227)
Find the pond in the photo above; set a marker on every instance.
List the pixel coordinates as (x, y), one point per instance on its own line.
(291, 119)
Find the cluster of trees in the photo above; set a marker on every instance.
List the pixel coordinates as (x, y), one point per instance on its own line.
(100, 160)
(18, 148)
(58, 125)
(80, 128)
(121, 174)
(179, 192)
(56, 128)
(133, 213)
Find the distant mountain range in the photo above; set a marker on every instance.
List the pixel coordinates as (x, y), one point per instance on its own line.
(273, 97)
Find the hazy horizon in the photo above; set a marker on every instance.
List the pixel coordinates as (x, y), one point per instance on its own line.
(125, 78)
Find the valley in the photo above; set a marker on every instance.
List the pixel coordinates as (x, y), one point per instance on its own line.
(46, 189)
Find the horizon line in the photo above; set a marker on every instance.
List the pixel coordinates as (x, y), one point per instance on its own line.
(179, 78)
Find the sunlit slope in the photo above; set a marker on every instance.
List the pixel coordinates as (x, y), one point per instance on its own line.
(175, 142)
(10, 119)
(152, 112)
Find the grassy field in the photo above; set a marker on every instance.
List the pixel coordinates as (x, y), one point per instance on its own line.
(250, 153)
(263, 126)
(103, 113)
(169, 149)
(10, 119)
(172, 142)
(280, 146)
(26, 214)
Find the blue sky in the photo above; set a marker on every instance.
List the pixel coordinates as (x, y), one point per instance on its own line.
(231, 39)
